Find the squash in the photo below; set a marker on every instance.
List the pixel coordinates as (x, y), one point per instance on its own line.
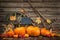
(49, 21)
(13, 18)
(20, 31)
(48, 33)
(33, 31)
(10, 33)
(53, 34)
(38, 20)
(29, 30)
(26, 35)
(15, 36)
(43, 31)
(36, 31)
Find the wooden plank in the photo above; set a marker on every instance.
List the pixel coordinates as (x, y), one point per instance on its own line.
(5, 13)
(31, 1)
(30, 9)
(12, 5)
(11, 0)
(51, 15)
(42, 12)
(34, 0)
(46, 0)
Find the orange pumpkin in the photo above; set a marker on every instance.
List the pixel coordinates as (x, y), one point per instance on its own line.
(20, 31)
(10, 33)
(43, 31)
(48, 33)
(26, 35)
(29, 30)
(33, 31)
(53, 34)
(15, 36)
(36, 31)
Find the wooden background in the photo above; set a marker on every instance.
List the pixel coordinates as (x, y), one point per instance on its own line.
(48, 8)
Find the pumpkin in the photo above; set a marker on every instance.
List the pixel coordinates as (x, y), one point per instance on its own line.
(26, 35)
(15, 36)
(12, 17)
(53, 34)
(43, 30)
(10, 33)
(48, 33)
(29, 30)
(33, 31)
(20, 31)
(36, 31)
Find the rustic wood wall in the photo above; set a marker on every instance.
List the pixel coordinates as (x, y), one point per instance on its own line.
(48, 8)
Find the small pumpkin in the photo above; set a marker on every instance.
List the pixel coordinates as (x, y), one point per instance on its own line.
(53, 34)
(15, 36)
(38, 20)
(49, 21)
(43, 31)
(26, 35)
(12, 17)
(10, 33)
(48, 33)
(20, 31)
